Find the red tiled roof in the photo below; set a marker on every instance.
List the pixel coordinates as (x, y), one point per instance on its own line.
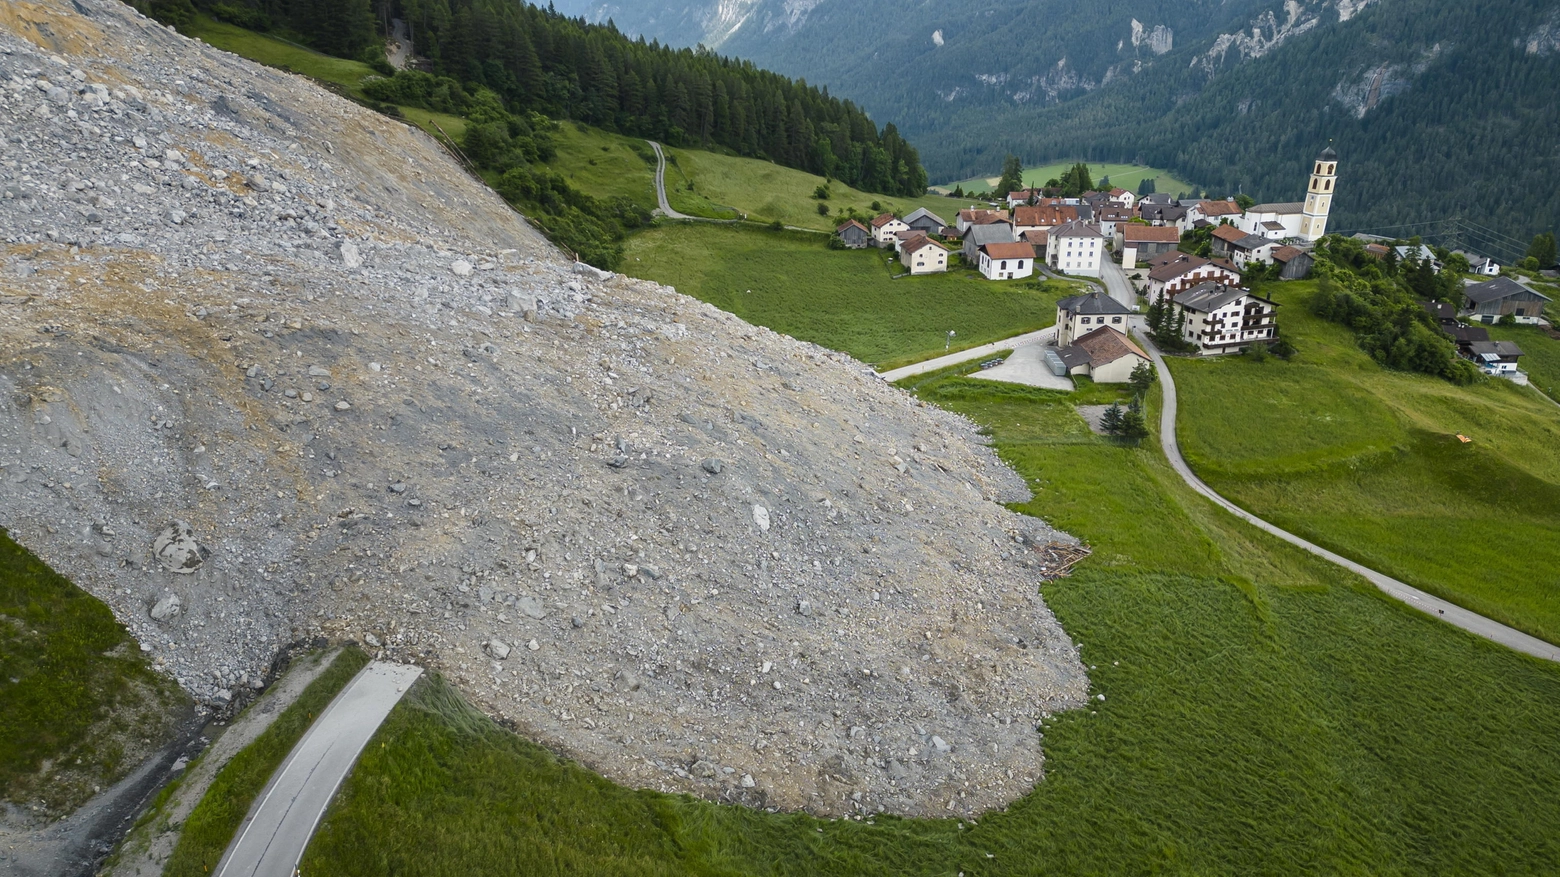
(918, 243)
(1038, 238)
(1162, 234)
(1229, 233)
(1284, 254)
(883, 219)
(847, 224)
(1107, 345)
(1009, 251)
(1220, 208)
(1051, 215)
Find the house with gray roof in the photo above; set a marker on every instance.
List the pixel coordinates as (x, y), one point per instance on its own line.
(977, 236)
(924, 220)
(1488, 302)
(1225, 319)
(1081, 314)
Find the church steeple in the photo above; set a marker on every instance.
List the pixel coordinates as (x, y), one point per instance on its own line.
(1318, 195)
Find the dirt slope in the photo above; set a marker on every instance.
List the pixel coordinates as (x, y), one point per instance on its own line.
(356, 395)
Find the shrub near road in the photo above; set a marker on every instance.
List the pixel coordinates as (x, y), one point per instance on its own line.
(1264, 713)
(842, 299)
(1365, 461)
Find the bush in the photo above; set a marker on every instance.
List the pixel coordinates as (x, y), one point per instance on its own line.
(823, 209)
(243, 16)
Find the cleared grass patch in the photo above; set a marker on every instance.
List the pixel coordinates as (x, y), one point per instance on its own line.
(605, 165)
(1127, 176)
(80, 706)
(210, 827)
(841, 299)
(1265, 713)
(1366, 462)
(724, 185)
(274, 52)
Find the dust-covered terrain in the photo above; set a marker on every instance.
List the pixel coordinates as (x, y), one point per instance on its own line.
(273, 367)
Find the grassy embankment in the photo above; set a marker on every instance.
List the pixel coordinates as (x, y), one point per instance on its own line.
(1366, 462)
(841, 299)
(766, 192)
(1127, 176)
(210, 826)
(1265, 713)
(1540, 356)
(79, 703)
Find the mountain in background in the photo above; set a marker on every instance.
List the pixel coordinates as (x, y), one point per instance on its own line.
(1439, 109)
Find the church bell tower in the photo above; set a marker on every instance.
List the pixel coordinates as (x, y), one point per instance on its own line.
(1318, 196)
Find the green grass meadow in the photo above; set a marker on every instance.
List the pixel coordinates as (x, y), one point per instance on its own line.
(1367, 462)
(724, 185)
(1265, 713)
(842, 299)
(274, 52)
(1540, 356)
(210, 826)
(73, 686)
(1127, 176)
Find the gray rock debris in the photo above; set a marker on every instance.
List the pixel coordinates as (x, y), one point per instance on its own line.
(145, 370)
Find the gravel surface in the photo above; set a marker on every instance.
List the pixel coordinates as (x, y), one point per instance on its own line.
(273, 367)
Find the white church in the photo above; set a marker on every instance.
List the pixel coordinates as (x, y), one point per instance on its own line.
(1305, 220)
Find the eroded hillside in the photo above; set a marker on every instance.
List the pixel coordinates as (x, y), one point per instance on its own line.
(273, 367)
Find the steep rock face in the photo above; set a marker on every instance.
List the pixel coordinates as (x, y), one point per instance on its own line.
(273, 367)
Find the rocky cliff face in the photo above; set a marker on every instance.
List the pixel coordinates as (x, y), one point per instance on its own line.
(273, 368)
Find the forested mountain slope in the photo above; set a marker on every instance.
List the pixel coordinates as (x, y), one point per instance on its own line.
(1438, 108)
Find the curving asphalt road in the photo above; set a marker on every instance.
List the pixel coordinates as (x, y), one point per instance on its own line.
(660, 184)
(271, 841)
(1427, 603)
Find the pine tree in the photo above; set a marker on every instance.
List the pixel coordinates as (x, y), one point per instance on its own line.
(1012, 176)
(1142, 378)
(1113, 419)
(1134, 427)
(1543, 249)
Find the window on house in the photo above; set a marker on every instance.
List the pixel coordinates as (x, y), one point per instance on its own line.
(1086, 321)
(1115, 319)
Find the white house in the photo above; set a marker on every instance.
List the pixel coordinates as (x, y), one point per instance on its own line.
(1076, 248)
(1226, 319)
(922, 255)
(1023, 196)
(1081, 314)
(1486, 266)
(1105, 354)
(1110, 218)
(1007, 261)
(1306, 219)
(1122, 198)
(1042, 217)
(1175, 273)
(884, 227)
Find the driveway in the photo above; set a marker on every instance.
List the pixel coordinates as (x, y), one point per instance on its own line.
(1116, 282)
(1027, 366)
(271, 841)
(1042, 337)
(1430, 605)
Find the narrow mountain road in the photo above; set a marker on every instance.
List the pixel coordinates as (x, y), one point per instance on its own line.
(271, 841)
(660, 184)
(1430, 605)
(1044, 336)
(1116, 282)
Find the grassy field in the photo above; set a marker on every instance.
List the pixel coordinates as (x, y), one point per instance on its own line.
(211, 824)
(1265, 714)
(275, 52)
(1127, 176)
(764, 192)
(1366, 462)
(605, 165)
(79, 704)
(842, 299)
(1540, 355)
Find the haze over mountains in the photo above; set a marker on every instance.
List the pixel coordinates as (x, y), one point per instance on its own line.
(1440, 110)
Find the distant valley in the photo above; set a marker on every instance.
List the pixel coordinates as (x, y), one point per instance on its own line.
(1440, 110)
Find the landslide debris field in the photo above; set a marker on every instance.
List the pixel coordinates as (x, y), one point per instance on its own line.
(273, 367)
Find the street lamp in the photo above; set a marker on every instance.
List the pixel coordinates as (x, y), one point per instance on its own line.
(949, 342)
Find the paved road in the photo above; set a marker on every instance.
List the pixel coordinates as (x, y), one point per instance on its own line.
(1426, 603)
(660, 184)
(1116, 282)
(1044, 336)
(400, 52)
(270, 843)
(1027, 366)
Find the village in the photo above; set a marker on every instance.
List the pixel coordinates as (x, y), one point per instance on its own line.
(1187, 272)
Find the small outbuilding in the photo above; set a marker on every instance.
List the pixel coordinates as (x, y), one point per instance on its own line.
(854, 234)
(1488, 302)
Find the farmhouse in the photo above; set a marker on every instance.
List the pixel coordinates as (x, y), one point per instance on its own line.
(1043, 217)
(925, 220)
(1297, 263)
(1082, 314)
(1242, 249)
(1174, 273)
(1503, 297)
(1495, 357)
(1226, 319)
(854, 234)
(1104, 354)
(1076, 248)
(1136, 241)
(922, 255)
(977, 236)
(977, 216)
(884, 227)
(1007, 261)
